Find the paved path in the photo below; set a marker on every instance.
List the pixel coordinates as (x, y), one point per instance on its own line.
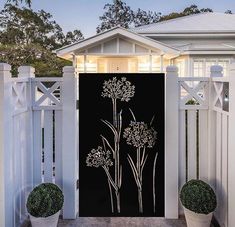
(122, 222)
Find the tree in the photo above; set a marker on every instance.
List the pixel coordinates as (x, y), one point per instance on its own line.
(142, 17)
(28, 37)
(44, 61)
(22, 26)
(193, 9)
(116, 14)
(73, 37)
(120, 14)
(27, 2)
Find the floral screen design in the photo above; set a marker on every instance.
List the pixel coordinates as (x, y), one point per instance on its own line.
(121, 145)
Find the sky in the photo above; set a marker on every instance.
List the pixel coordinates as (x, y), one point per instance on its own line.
(84, 14)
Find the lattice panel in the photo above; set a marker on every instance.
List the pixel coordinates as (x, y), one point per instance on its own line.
(19, 97)
(221, 96)
(47, 95)
(218, 99)
(193, 94)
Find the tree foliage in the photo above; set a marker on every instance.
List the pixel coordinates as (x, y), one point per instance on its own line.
(142, 17)
(193, 9)
(116, 14)
(27, 2)
(28, 38)
(120, 14)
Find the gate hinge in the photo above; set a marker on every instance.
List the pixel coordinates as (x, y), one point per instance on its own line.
(77, 104)
(77, 184)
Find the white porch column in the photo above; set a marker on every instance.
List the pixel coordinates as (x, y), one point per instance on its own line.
(161, 63)
(171, 142)
(6, 149)
(150, 63)
(85, 63)
(74, 61)
(70, 143)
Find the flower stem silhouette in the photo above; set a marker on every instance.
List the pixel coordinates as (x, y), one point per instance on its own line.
(101, 158)
(117, 89)
(140, 136)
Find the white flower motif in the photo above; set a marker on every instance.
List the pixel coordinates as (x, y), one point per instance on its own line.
(139, 135)
(98, 157)
(118, 89)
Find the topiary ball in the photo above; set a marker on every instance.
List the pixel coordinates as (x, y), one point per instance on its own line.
(45, 200)
(198, 197)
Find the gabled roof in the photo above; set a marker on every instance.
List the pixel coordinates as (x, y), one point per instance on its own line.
(110, 34)
(197, 23)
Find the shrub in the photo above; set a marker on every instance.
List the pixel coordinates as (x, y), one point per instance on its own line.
(198, 197)
(45, 200)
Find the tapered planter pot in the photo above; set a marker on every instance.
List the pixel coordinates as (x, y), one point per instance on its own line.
(197, 220)
(50, 221)
(199, 202)
(44, 204)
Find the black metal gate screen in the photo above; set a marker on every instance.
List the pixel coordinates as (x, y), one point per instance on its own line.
(121, 145)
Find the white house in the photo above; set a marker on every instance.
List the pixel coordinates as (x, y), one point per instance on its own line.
(193, 43)
(32, 125)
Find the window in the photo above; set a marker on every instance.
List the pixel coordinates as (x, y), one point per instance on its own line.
(198, 67)
(201, 67)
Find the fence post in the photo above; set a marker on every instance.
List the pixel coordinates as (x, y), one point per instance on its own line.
(6, 155)
(171, 142)
(69, 143)
(215, 71)
(29, 72)
(231, 147)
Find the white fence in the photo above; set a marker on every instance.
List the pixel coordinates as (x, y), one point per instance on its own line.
(206, 143)
(32, 121)
(39, 136)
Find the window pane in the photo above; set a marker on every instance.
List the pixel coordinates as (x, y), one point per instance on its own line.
(224, 63)
(198, 68)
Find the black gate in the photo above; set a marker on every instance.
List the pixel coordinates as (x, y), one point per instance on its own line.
(121, 144)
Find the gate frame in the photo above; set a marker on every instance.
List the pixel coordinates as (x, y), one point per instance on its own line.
(171, 142)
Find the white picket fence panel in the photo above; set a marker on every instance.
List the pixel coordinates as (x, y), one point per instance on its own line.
(39, 138)
(205, 135)
(32, 140)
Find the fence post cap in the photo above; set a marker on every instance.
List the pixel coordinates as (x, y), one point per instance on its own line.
(5, 67)
(172, 68)
(216, 68)
(68, 69)
(26, 71)
(216, 71)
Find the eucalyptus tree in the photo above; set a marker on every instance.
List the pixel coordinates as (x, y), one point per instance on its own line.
(117, 13)
(28, 37)
(27, 2)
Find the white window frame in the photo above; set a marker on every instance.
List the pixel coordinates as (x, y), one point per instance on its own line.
(205, 61)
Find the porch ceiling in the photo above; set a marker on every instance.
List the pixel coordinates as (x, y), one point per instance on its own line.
(117, 42)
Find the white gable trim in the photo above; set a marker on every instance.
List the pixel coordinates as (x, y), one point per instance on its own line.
(115, 32)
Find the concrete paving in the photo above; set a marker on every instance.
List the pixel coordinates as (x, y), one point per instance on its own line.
(122, 222)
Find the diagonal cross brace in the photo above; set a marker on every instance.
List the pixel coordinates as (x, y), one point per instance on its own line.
(47, 93)
(192, 92)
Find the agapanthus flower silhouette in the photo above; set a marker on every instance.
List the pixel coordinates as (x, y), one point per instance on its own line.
(140, 136)
(99, 158)
(118, 89)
